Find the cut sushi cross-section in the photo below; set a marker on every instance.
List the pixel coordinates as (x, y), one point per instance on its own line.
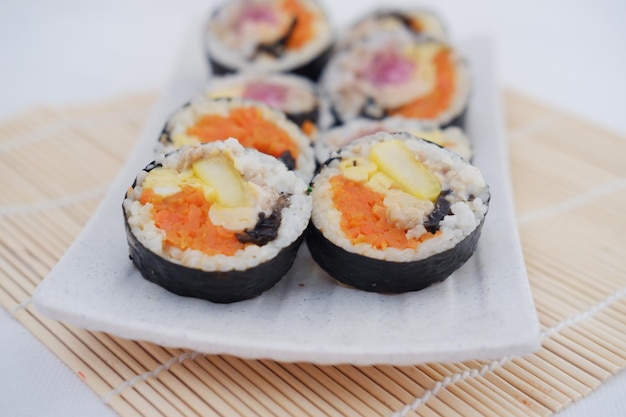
(396, 161)
(269, 36)
(397, 76)
(274, 26)
(216, 221)
(411, 223)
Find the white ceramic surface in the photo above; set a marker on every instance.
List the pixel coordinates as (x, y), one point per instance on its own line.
(483, 311)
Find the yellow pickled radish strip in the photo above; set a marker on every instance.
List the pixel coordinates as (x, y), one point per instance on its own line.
(357, 169)
(396, 161)
(219, 173)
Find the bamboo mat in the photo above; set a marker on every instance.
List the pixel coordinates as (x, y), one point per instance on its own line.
(568, 181)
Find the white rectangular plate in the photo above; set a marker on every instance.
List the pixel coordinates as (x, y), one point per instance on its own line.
(483, 311)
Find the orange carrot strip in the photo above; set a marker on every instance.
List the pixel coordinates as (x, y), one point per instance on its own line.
(249, 127)
(416, 25)
(303, 29)
(364, 219)
(308, 128)
(184, 218)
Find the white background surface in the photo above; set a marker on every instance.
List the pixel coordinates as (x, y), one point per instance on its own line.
(567, 53)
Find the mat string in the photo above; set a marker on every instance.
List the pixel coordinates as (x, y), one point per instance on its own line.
(530, 129)
(151, 374)
(491, 366)
(470, 373)
(95, 191)
(439, 385)
(517, 135)
(21, 306)
(578, 200)
(84, 121)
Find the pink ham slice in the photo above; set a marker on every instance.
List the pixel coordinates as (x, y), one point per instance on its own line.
(257, 14)
(389, 68)
(271, 94)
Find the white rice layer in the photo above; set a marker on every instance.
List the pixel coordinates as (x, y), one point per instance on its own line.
(387, 20)
(255, 167)
(468, 197)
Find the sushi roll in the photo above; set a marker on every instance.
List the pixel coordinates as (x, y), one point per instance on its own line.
(411, 20)
(269, 36)
(215, 221)
(253, 124)
(294, 95)
(451, 137)
(393, 213)
(398, 75)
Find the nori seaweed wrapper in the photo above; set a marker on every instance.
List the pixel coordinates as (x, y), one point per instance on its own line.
(300, 118)
(215, 286)
(376, 275)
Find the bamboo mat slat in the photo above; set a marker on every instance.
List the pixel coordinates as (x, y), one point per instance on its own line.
(568, 183)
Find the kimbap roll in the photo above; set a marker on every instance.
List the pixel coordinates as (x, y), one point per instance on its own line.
(451, 137)
(253, 124)
(394, 213)
(411, 20)
(269, 36)
(398, 75)
(216, 221)
(294, 95)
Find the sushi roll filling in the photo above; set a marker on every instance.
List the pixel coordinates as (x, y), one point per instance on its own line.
(194, 213)
(366, 218)
(266, 228)
(296, 100)
(397, 76)
(439, 97)
(266, 28)
(251, 129)
(385, 199)
(274, 95)
(440, 210)
(298, 104)
(416, 81)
